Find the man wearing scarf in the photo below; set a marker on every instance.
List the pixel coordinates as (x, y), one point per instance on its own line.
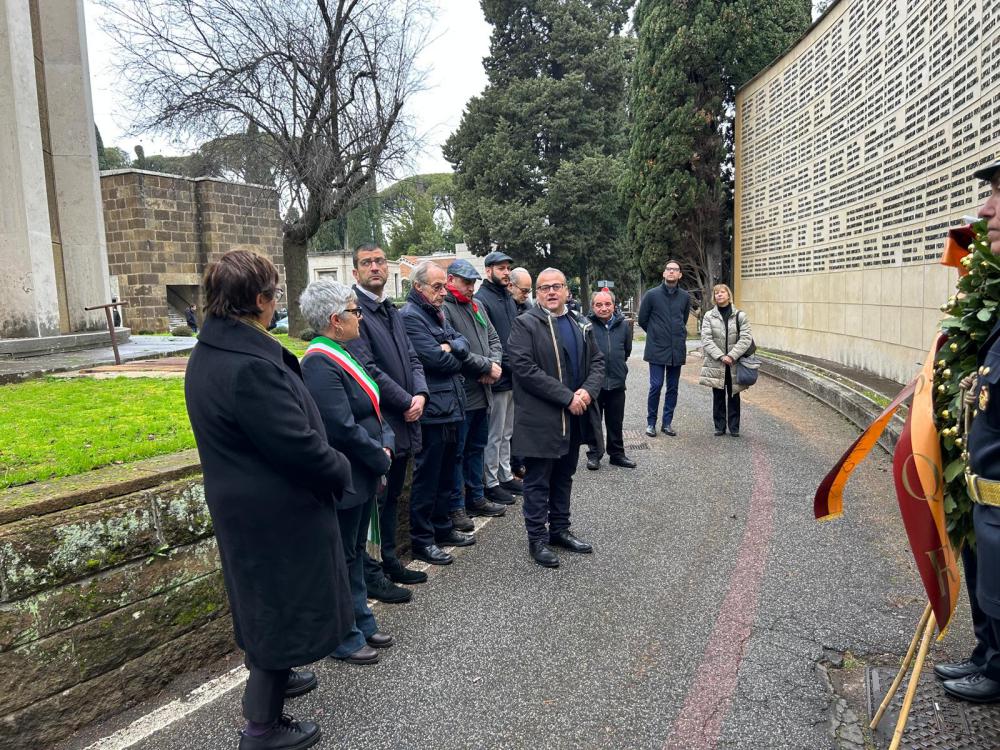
(481, 369)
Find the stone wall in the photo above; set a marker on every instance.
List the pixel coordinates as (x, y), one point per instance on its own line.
(163, 230)
(110, 586)
(854, 156)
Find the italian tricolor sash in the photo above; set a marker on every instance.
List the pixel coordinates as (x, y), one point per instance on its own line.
(333, 350)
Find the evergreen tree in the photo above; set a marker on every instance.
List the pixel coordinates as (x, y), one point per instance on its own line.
(556, 97)
(692, 56)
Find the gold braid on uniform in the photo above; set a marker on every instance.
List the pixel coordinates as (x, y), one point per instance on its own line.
(971, 314)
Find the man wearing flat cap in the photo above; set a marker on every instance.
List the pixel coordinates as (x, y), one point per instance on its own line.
(494, 295)
(978, 678)
(481, 370)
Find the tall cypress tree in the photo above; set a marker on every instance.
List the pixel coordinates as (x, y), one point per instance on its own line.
(557, 73)
(692, 56)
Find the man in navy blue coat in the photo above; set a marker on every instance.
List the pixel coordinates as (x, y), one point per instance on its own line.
(441, 350)
(663, 315)
(978, 679)
(384, 349)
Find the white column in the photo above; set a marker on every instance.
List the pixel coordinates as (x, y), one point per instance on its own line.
(27, 272)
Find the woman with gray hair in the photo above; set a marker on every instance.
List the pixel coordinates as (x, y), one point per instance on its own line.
(348, 400)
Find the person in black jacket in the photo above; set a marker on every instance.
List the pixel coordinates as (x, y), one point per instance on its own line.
(500, 483)
(191, 318)
(663, 315)
(558, 371)
(348, 400)
(441, 350)
(614, 336)
(271, 482)
(385, 351)
(978, 679)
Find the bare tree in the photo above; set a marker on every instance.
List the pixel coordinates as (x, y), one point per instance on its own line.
(324, 82)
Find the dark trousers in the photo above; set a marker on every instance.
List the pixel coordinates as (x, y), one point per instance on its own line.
(354, 536)
(473, 435)
(612, 403)
(987, 629)
(387, 518)
(432, 484)
(657, 375)
(264, 695)
(548, 484)
(726, 405)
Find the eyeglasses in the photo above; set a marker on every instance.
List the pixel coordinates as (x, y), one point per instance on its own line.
(436, 287)
(523, 289)
(277, 294)
(551, 288)
(369, 262)
(355, 311)
(672, 269)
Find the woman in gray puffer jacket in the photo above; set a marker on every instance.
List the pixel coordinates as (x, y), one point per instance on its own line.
(725, 337)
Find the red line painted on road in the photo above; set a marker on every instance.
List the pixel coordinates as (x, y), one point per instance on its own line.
(699, 723)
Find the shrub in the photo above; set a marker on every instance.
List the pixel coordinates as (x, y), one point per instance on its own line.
(181, 331)
(279, 330)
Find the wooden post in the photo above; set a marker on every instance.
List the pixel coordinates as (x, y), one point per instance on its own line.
(111, 325)
(903, 668)
(911, 688)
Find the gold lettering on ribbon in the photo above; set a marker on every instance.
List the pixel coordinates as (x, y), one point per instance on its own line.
(925, 496)
(947, 575)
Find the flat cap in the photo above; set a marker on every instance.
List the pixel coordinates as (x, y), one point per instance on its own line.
(988, 172)
(497, 257)
(463, 269)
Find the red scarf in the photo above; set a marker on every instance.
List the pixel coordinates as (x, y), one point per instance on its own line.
(462, 299)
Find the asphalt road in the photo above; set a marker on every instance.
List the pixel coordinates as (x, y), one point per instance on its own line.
(699, 621)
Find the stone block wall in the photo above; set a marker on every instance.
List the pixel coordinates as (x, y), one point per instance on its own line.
(110, 586)
(163, 230)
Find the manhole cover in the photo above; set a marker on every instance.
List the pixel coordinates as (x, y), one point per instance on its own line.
(635, 440)
(936, 720)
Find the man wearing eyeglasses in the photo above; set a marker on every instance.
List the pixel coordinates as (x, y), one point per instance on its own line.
(663, 315)
(520, 288)
(558, 370)
(442, 352)
(384, 350)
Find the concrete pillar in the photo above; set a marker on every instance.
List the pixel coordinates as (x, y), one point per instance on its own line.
(74, 161)
(27, 281)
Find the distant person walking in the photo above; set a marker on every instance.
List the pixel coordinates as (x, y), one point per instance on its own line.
(192, 319)
(663, 315)
(725, 337)
(271, 481)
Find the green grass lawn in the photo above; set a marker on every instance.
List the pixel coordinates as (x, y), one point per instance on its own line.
(55, 427)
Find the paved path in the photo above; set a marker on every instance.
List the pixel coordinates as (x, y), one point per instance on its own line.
(699, 622)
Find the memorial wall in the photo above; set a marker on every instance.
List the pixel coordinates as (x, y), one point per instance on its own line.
(854, 155)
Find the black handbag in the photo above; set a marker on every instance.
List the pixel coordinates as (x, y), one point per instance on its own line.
(747, 366)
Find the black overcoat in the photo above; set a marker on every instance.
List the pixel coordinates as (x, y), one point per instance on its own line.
(352, 425)
(984, 461)
(428, 329)
(384, 349)
(542, 384)
(271, 481)
(663, 315)
(502, 311)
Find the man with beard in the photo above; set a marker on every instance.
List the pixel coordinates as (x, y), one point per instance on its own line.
(558, 371)
(384, 350)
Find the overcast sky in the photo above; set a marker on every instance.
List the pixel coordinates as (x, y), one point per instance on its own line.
(460, 40)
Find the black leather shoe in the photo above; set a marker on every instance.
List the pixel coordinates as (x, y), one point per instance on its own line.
(976, 688)
(624, 461)
(483, 507)
(300, 682)
(384, 590)
(513, 486)
(593, 464)
(379, 640)
(461, 521)
(396, 572)
(497, 494)
(668, 429)
(650, 430)
(567, 540)
(286, 734)
(720, 432)
(433, 555)
(542, 555)
(956, 670)
(456, 539)
(734, 433)
(364, 655)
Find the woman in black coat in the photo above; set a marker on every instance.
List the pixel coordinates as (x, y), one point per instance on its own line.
(348, 399)
(271, 480)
